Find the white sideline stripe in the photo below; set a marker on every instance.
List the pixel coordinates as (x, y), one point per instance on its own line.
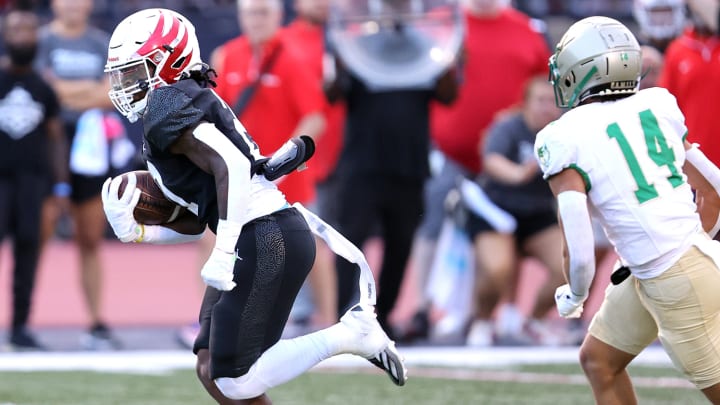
(159, 361)
(519, 377)
(128, 361)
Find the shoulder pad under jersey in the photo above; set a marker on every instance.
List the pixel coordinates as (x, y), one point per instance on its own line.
(168, 113)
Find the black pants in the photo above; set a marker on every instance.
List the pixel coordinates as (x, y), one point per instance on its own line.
(238, 326)
(393, 207)
(21, 198)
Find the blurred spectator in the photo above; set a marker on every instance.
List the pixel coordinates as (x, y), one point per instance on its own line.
(583, 8)
(383, 165)
(691, 74)
(500, 43)
(30, 136)
(660, 21)
(513, 182)
(503, 49)
(258, 76)
(707, 12)
(652, 63)
(305, 35)
(71, 56)
(277, 95)
(534, 8)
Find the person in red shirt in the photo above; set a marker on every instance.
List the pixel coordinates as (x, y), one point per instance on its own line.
(503, 49)
(279, 96)
(692, 74)
(306, 33)
(285, 100)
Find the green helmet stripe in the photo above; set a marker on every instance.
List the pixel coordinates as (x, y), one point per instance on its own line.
(581, 86)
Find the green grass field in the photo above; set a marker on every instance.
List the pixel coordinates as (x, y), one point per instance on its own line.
(345, 387)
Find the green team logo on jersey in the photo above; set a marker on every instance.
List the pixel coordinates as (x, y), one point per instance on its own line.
(543, 155)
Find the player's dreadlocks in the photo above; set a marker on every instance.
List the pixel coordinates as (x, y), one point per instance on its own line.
(204, 77)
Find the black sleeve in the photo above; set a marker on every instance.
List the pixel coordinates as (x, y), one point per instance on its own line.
(169, 111)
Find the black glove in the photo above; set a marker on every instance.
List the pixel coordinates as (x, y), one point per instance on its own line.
(619, 275)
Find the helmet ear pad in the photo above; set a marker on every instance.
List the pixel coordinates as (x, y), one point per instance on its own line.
(597, 57)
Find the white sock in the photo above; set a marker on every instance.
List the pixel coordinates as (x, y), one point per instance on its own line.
(284, 361)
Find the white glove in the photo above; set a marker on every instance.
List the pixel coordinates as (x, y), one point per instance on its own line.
(119, 209)
(218, 271)
(568, 304)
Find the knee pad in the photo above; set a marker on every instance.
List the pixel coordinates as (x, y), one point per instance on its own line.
(244, 387)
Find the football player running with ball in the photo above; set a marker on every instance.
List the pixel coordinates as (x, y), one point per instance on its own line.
(620, 155)
(205, 161)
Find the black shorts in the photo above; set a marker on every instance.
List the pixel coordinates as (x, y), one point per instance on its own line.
(238, 326)
(85, 188)
(527, 224)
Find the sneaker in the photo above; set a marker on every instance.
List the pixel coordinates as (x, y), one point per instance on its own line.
(510, 321)
(546, 333)
(480, 334)
(418, 328)
(99, 337)
(372, 343)
(450, 328)
(22, 340)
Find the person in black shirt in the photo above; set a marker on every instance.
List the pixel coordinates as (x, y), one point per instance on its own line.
(204, 160)
(382, 167)
(32, 145)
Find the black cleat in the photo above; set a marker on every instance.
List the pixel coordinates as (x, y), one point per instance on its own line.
(22, 340)
(390, 361)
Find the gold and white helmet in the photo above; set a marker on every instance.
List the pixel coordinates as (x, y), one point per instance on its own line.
(597, 57)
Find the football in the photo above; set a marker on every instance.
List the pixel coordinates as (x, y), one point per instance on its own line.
(153, 208)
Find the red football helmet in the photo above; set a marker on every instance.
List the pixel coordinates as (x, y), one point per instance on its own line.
(148, 49)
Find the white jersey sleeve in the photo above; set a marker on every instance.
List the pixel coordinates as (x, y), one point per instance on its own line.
(667, 106)
(555, 151)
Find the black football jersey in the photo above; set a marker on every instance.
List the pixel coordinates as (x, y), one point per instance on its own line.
(26, 103)
(171, 110)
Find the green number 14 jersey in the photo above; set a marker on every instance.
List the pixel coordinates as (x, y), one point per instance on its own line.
(630, 153)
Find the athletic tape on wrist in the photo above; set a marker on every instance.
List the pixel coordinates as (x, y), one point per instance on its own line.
(576, 224)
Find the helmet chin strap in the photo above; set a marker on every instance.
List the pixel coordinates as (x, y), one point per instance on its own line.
(137, 109)
(132, 116)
